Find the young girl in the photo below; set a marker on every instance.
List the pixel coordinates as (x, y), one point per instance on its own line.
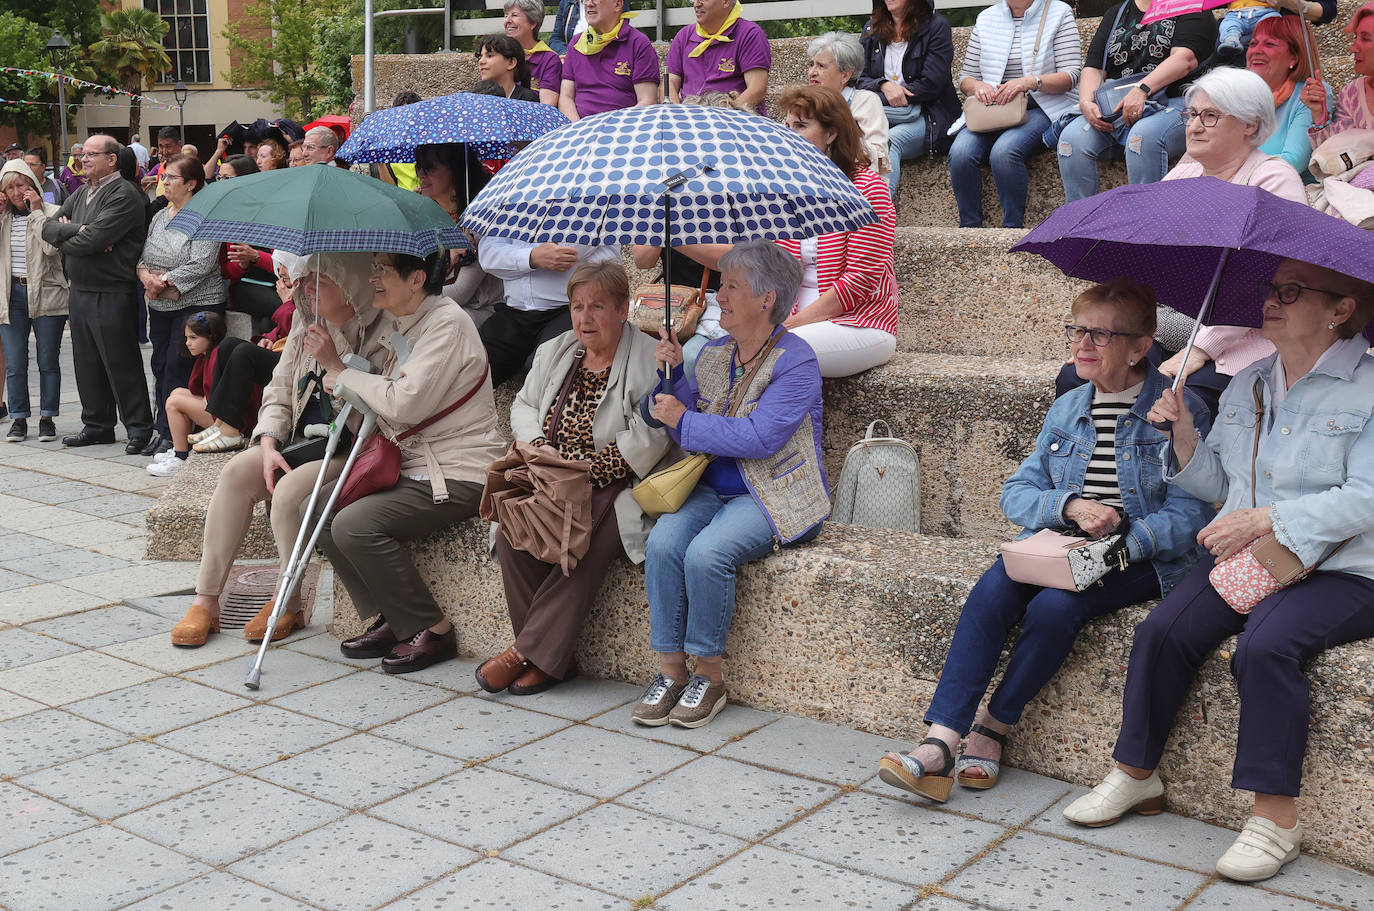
(187, 406)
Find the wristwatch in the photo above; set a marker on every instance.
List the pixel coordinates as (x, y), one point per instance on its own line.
(1145, 88)
(1039, 83)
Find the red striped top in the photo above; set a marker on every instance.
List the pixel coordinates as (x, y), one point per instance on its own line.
(858, 265)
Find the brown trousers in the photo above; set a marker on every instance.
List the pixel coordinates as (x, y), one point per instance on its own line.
(364, 542)
(547, 609)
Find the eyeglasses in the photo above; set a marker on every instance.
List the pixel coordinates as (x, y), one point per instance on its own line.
(379, 269)
(1100, 338)
(1289, 292)
(95, 154)
(169, 176)
(1208, 117)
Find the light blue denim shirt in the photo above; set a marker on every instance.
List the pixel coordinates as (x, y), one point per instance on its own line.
(1165, 520)
(1315, 468)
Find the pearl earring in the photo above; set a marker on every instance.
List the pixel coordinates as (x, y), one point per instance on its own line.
(1331, 325)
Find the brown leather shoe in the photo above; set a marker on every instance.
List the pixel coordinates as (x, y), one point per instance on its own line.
(254, 630)
(195, 627)
(501, 671)
(532, 681)
(425, 648)
(377, 642)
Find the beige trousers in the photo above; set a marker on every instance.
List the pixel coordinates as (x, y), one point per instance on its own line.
(240, 488)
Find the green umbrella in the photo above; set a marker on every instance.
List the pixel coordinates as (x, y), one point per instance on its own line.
(319, 209)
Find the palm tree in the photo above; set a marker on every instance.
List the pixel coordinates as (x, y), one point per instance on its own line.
(130, 48)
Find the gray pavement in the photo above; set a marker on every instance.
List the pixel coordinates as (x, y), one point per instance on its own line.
(137, 775)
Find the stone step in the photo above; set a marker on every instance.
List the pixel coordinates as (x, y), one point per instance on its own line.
(874, 628)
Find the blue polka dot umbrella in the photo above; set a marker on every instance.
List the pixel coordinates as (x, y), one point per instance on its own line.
(734, 176)
(488, 124)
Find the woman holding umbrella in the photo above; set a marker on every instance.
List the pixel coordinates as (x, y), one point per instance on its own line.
(1292, 454)
(1355, 104)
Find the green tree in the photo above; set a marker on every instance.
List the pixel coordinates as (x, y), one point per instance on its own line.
(130, 48)
(25, 43)
(340, 36)
(273, 48)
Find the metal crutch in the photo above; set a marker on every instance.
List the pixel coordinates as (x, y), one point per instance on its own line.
(304, 546)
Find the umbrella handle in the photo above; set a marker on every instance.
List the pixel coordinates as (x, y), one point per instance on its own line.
(1203, 313)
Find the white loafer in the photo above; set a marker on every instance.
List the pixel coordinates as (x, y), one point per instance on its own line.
(1117, 795)
(1260, 850)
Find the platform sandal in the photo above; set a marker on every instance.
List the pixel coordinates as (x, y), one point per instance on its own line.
(989, 767)
(910, 774)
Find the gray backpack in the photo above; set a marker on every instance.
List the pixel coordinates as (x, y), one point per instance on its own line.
(880, 484)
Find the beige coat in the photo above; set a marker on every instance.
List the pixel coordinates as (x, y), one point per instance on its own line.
(446, 361)
(43, 262)
(617, 417)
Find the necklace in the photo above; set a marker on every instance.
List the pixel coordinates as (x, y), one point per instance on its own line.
(739, 370)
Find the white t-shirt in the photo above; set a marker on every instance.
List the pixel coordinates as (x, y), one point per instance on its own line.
(810, 289)
(892, 61)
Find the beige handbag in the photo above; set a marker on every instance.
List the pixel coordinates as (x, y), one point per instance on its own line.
(688, 303)
(994, 118)
(668, 488)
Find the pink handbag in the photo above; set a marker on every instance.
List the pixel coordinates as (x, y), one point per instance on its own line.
(1050, 559)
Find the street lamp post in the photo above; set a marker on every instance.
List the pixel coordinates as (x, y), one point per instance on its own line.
(57, 49)
(179, 92)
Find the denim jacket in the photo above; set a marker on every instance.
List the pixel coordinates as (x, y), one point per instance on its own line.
(1315, 467)
(1165, 519)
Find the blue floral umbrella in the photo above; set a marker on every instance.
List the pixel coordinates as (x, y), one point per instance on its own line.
(488, 124)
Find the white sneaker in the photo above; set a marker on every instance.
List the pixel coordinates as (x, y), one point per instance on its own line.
(166, 468)
(1117, 795)
(1260, 850)
(164, 456)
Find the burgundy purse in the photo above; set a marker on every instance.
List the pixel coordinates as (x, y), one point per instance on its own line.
(378, 466)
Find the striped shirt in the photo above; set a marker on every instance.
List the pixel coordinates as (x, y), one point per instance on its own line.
(1101, 483)
(859, 264)
(19, 225)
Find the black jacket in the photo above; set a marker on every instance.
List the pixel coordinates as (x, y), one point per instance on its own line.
(926, 71)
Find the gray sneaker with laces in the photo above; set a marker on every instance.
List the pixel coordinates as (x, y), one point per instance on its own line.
(701, 701)
(658, 700)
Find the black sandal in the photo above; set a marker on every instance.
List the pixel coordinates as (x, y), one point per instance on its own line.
(910, 774)
(990, 768)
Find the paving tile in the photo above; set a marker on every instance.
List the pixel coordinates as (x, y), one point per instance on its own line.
(114, 782)
(326, 646)
(1326, 882)
(360, 770)
(10, 581)
(113, 504)
(1167, 838)
(131, 549)
(888, 838)
(230, 819)
(766, 878)
(492, 883)
(252, 737)
(593, 761)
(121, 868)
(54, 490)
(395, 861)
(33, 517)
(17, 546)
(157, 578)
(69, 678)
(216, 891)
(27, 819)
(735, 722)
(624, 851)
(577, 699)
(810, 748)
(282, 672)
(19, 647)
(157, 651)
(470, 728)
(44, 600)
(756, 802)
(1224, 896)
(12, 706)
(482, 808)
(102, 626)
(451, 675)
(87, 533)
(157, 706)
(1019, 797)
(364, 700)
(41, 739)
(941, 903)
(1030, 872)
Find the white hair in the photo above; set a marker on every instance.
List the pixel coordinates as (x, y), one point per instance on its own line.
(324, 136)
(767, 267)
(1241, 94)
(845, 48)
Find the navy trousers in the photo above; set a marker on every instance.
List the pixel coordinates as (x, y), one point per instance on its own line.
(1283, 631)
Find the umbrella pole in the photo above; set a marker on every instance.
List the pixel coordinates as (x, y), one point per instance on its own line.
(1307, 46)
(668, 280)
(1204, 312)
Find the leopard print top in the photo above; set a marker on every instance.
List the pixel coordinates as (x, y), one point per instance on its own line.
(575, 439)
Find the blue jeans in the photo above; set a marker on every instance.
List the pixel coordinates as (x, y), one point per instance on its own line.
(1007, 151)
(690, 563)
(1148, 145)
(906, 139)
(1240, 23)
(15, 339)
(1050, 620)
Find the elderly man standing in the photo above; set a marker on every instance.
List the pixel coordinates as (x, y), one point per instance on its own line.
(319, 145)
(612, 64)
(724, 53)
(100, 230)
(168, 147)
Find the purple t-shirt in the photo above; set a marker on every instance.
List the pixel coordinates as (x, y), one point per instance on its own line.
(721, 67)
(546, 71)
(606, 81)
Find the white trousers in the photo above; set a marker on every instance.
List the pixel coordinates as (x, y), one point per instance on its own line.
(846, 350)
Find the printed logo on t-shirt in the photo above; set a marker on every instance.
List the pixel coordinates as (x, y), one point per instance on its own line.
(623, 68)
(726, 65)
(534, 83)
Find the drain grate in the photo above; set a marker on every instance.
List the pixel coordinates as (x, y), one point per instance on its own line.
(250, 587)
